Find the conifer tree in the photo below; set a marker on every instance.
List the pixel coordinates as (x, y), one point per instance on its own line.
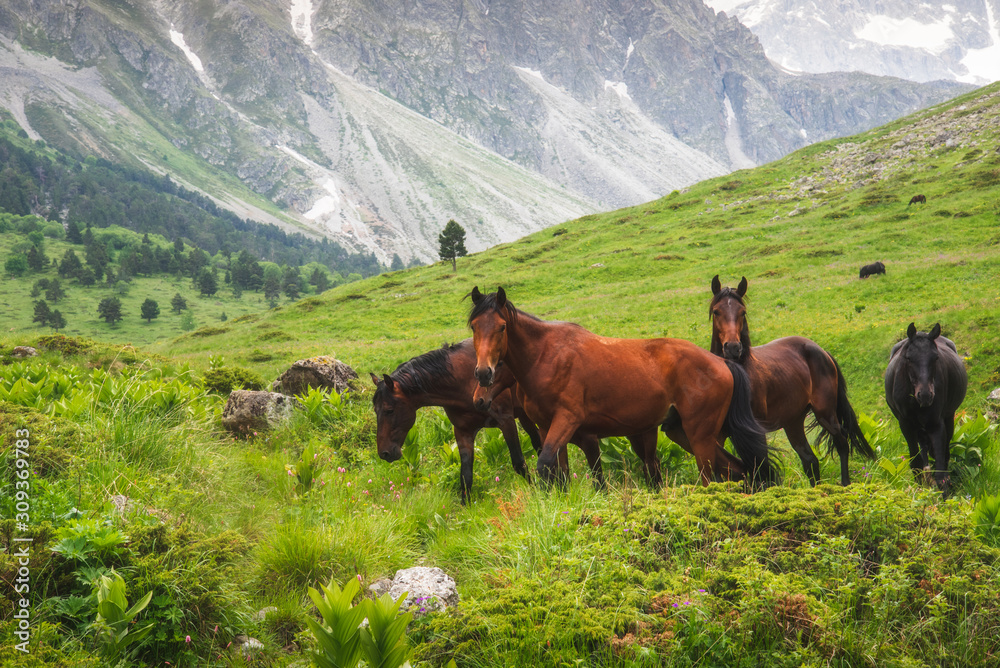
(54, 292)
(42, 313)
(452, 240)
(178, 303)
(149, 310)
(110, 309)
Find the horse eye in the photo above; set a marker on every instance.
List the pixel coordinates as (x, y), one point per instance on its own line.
(503, 328)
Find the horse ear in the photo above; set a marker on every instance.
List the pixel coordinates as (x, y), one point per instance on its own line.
(374, 378)
(935, 331)
(477, 296)
(741, 289)
(911, 331)
(501, 298)
(716, 286)
(388, 381)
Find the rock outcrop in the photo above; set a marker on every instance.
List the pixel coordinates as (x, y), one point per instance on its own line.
(249, 411)
(323, 372)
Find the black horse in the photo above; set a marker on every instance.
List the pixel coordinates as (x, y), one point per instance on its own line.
(872, 269)
(917, 199)
(444, 378)
(925, 384)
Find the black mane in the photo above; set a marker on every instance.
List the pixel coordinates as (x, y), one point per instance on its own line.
(424, 372)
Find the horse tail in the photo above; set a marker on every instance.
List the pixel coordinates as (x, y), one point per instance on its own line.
(748, 437)
(848, 421)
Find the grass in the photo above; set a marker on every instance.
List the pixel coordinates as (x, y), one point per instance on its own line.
(883, 572)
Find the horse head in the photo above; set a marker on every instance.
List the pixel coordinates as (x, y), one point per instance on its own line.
(488, 321)
(394, 417)
(921, 356)
(730, 331)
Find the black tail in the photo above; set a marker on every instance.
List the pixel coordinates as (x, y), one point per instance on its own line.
(848, 420)
(748, 437)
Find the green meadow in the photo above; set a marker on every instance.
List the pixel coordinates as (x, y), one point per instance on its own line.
(132, 472)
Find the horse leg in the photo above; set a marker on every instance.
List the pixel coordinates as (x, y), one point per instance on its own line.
(941, 442)
(918, 459)
(465, 440)
(509, 430)
(555, 437)
(644, 446)
(591, 447)
(532, 431)
(796, 433)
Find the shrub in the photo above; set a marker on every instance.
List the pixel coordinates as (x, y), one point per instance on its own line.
(226, 379)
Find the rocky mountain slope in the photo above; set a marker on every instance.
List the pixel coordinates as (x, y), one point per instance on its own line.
(933, 39)
(374, 123)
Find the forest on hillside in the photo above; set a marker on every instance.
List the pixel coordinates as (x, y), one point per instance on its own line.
(94, 192)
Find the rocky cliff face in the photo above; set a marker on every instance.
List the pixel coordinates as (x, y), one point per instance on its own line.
(376, 122)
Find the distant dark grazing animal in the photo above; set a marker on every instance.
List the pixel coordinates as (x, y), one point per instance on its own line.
(925, 384)
(872, 269)
(789, 377)
(917, 199)
(444, 378)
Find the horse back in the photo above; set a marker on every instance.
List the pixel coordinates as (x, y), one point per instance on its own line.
(790, 374)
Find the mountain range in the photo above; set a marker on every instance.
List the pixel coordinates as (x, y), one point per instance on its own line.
(373, 123)
(933, 39)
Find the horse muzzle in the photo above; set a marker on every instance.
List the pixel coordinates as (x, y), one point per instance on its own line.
(732, 351)
(483, 404)
(390, 455)
(924, 396)
(485, 376)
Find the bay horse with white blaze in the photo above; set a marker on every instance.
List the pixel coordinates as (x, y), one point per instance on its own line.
(574, 381)
(789, 378)
(925, 383)
(444, 378)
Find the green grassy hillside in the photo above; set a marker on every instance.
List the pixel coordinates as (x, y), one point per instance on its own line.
(799, 229)
(127, 467)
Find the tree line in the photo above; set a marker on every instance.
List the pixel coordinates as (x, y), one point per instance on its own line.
(97, 193)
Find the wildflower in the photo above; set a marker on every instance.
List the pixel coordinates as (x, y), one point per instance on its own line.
(701, 591)
(687, 602)
(675, 605)
(369, 481)
(348, 484)
(359, 577)
(216, 629)
(497, 478)
(574, 476)
(187, 638)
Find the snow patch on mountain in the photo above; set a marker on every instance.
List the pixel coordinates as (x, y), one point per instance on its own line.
(984, 63)
(302, 11)
(890, 31)
(178, 39)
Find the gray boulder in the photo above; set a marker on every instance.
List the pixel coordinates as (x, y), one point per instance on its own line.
(427, 589)
(247, 411)
(24, 351)
(323, 372)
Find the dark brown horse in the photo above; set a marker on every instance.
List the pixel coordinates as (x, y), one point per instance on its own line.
(925, 383)
(917, 199)
(790, 377)
(573, 381)
(444, 378)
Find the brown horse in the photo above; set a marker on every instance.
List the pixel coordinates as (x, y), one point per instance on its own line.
(574, 381)
(444, 378)
(789, 377)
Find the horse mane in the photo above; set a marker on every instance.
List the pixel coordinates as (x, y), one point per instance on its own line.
(744, 327)
(422, 373)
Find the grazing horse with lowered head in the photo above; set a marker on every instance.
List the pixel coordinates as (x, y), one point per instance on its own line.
(871, 269)
(789, 378)
(574, 381)
(444, 378)
(917, 199)
(925, 383)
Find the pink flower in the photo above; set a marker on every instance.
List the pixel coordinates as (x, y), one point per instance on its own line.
(497, 478)
(187, 638)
